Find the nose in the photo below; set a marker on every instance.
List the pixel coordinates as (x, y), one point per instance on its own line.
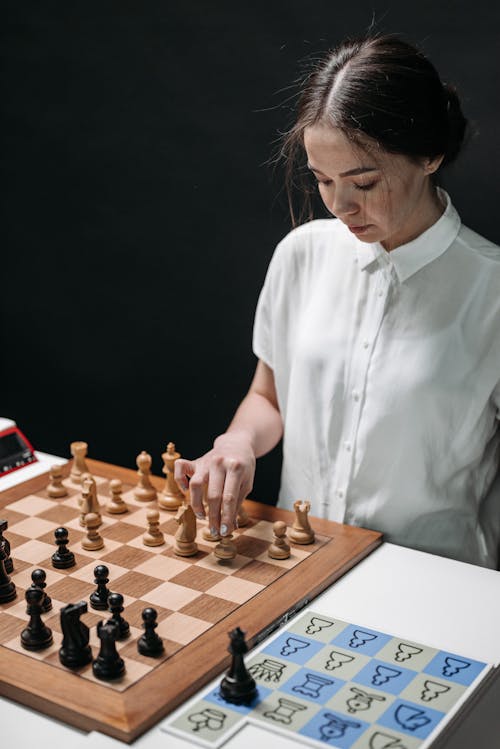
(342, 203)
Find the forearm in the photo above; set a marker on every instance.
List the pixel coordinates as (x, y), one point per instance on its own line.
(259, 420)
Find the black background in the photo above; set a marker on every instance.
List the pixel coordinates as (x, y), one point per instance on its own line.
(140, 211)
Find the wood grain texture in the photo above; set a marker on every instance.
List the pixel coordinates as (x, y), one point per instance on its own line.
(127, 714)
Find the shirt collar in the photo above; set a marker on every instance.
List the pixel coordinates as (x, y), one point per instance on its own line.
(412, 256)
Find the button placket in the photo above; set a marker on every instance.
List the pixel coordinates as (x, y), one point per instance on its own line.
(363, 351)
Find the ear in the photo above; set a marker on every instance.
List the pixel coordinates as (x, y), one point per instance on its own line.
(432, 165)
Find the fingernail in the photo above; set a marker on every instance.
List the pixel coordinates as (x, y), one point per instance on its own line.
(223, 529)
(214, 531)
(200, 515)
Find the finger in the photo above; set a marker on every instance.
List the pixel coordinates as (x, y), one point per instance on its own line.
(183, 470)
(231, 499)
(197, 491)
(216, 480)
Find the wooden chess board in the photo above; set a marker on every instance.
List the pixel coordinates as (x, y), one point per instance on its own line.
(198, 599)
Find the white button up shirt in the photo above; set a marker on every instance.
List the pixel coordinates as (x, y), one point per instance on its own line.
(387, 372)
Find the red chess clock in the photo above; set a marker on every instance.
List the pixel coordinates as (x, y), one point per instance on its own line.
(15, 450)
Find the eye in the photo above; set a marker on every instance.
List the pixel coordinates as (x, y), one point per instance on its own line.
(367, 186)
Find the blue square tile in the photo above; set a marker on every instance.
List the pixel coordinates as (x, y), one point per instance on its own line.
(409, 718)
(455, 668)
(385, 676)
(311, 685)
(334, 729)
(295, 648)
(361, 640)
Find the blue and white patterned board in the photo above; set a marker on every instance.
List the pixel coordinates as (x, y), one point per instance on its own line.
(324, 681)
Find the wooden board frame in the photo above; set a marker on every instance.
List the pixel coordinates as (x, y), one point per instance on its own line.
(126, 715)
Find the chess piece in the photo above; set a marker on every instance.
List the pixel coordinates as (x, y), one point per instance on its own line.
(63, 558)
(115, 605)
(238, 686)
(116, 505)
(89, 501)
(93, 541)
(153, 535)
(185, 544)
(7, 586)
(75, 650)
(99, 598)
(56, 487)
(9, 564)
(150, 643)
(36, 636)
(207, 535)
(38, 578)
(144, 490)
(226, 549)
(79, 467)
(108, 665)
(301, 531)
(279, 548)
(171, 498)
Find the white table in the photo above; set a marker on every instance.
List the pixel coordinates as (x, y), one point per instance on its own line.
(418, 596)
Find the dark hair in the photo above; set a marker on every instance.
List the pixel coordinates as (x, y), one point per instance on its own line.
(381, 87)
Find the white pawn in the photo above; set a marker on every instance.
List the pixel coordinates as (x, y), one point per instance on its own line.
(226, 549)
(153, 535)
(279, 548)
(93, 540)
(116, 505)
(144, 490)
(56, 487)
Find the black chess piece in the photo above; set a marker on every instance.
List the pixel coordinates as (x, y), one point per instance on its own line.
(9, 564)
(238, 686)
(108, 664)
(7, 586)
(37, 635)
(150, 643)
(63, 558)
(38, 578)
(75, 650)
(115, 605)
(99, 598)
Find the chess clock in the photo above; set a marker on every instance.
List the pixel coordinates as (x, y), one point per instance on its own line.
(15, 449)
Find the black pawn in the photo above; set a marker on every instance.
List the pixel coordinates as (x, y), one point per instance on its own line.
(99, 598)
(9, 564)
(108, 664)
(7, 587)
(63, 558)
(115, 605)
(238, 686)
(37, 635)
(75, 650)
(150, 643)
(38, 578)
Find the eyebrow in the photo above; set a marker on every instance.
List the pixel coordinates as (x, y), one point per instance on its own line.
(350, 172)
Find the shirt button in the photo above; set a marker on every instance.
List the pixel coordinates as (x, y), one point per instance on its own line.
(340, 493)
(366, 344)
(348, 446)
(355, 395)
(381, 293)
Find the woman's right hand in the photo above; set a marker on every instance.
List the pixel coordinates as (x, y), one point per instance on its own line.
(223, 477)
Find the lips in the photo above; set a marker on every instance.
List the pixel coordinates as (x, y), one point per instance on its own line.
(358, 229)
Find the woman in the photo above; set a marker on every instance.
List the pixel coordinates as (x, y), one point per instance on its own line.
(377, 332)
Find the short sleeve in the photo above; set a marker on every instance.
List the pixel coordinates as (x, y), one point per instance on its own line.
(262, 329)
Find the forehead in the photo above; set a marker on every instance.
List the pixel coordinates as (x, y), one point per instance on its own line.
(331, 151)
